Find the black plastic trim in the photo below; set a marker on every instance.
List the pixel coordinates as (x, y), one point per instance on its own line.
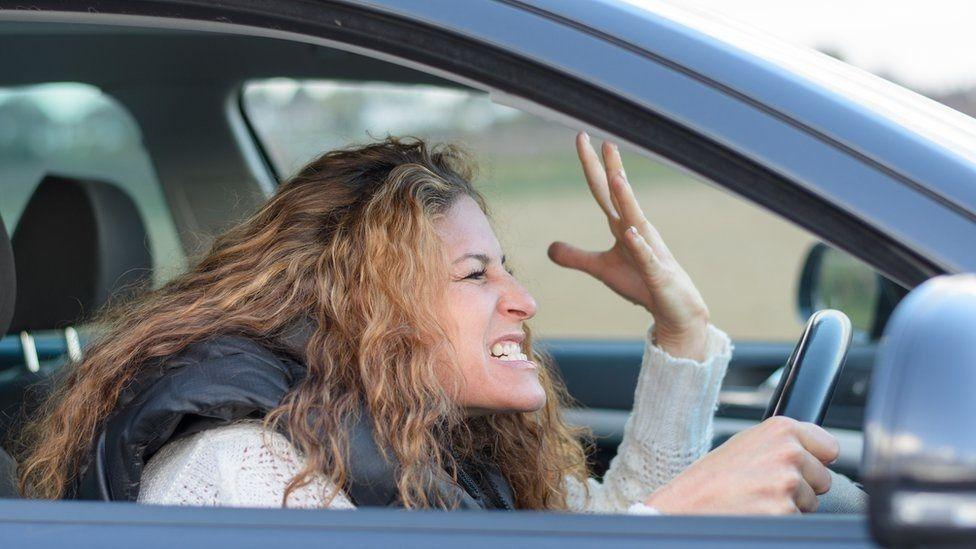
(252, 133)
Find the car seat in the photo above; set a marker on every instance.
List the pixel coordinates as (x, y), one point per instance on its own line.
(79, 243)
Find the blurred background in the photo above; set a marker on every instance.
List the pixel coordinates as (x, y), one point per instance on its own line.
(920, 45)
(745, 260)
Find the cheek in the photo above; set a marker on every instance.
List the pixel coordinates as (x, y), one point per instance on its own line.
(470, 315)
(485, 386)
(478, 384)
(465, 317)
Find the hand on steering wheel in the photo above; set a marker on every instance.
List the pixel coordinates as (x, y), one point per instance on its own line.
(777, 467)
(639, 266)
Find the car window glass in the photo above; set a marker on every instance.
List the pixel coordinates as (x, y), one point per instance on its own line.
(75, 129)
(745, 260)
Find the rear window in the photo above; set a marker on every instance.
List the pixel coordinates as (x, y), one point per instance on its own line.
(75, 129)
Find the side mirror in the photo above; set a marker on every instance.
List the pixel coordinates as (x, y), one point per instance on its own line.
(832, 279)
(920, 442)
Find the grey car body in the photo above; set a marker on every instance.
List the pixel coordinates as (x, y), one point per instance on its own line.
(869, 167)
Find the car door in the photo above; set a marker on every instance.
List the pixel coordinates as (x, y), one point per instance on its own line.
(553, 66)
(99, 525)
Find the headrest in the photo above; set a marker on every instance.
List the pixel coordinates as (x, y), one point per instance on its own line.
(78, 243)
(8, 284)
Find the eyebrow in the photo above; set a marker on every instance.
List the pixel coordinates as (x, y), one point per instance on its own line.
(480, 257)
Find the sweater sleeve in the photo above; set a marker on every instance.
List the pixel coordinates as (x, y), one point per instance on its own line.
(239, 465)
(668, 429)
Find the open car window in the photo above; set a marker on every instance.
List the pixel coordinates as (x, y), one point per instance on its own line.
(747, 262)
(744, 260)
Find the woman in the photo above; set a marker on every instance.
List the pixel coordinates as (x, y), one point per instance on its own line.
(362, 330)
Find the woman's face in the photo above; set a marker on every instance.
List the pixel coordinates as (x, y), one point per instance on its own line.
(485, 310)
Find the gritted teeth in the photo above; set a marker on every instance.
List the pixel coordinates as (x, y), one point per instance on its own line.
(508, 350)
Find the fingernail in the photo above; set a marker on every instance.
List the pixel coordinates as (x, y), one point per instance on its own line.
(632, 230)
(586, 137)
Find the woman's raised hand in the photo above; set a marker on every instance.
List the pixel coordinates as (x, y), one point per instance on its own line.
(639, 265)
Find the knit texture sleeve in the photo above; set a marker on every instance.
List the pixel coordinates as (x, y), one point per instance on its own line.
(238, 465)
(668, 429)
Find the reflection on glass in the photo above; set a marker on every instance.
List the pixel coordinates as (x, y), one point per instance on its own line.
(847, 284)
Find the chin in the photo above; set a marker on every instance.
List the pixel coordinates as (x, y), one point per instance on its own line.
(504, 387)
(534, 406)
(530, 400)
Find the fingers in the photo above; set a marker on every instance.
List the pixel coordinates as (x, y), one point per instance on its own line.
(650, 266)
(567, 255)
(815, 474)
(625, 201)
(611, 159)
(633, 216)
(613, 166)
(596, 177)
(818, 442)
(805, 499)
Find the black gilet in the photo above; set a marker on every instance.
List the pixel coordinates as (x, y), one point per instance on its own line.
(229, 378)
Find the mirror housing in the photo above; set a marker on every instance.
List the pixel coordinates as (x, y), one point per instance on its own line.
(832, 279)
(920, 443)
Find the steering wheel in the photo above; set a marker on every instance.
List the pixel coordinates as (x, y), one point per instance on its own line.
(811, 373)
(804, 390)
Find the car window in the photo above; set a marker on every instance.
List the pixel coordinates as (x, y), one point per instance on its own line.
(76, 130)
(746, 261)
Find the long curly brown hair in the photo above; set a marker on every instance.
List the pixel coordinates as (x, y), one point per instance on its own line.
(350, 242)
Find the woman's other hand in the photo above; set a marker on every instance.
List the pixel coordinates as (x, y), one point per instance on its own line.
(639, 265)
(777, 467)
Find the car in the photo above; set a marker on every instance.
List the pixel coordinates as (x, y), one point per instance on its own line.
(879, 176)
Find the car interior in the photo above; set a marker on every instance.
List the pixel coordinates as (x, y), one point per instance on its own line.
(87, 230)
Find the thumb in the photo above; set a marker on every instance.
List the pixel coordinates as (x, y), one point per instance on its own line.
(571, 257)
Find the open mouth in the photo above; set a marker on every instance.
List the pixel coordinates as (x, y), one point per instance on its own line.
(508, 351)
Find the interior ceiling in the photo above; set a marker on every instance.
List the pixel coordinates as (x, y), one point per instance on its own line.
(110, 57)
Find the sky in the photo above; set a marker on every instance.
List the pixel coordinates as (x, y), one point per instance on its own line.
(930, 45)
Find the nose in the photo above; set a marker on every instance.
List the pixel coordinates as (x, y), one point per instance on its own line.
(518, 302)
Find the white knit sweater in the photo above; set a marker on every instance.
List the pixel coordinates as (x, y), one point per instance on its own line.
(670, 426)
